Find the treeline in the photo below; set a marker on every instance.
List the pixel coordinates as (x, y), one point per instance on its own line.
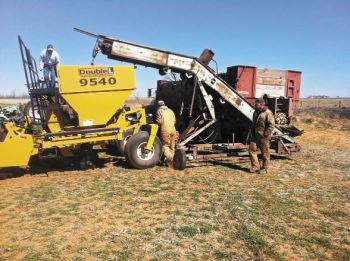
(14, 95)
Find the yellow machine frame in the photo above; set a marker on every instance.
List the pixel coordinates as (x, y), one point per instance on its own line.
(96, 95)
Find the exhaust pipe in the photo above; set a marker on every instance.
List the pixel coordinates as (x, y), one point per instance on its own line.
(206, 56)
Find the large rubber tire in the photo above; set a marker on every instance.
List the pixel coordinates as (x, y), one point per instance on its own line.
(179, 161)
(135, 154)
(120, 144)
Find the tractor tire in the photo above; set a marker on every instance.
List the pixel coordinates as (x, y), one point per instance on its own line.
(179, 161)
(135, 154)
(120, 144)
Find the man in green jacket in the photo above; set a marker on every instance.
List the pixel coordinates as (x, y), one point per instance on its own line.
(260, 136)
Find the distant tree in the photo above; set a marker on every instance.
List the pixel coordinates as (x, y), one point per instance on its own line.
(13, 94)
(23, 95)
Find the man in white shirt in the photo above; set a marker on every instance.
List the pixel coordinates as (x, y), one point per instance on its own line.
(48, 61)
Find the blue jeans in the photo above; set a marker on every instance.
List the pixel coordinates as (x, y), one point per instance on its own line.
(50, 76)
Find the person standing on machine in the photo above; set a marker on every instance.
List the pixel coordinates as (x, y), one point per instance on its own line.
(48, 61)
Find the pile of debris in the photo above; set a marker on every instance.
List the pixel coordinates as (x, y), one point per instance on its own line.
(13, 113)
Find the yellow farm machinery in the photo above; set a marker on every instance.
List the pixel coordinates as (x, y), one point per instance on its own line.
(84, 111)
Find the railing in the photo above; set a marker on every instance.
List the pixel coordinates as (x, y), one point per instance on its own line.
(38, 94)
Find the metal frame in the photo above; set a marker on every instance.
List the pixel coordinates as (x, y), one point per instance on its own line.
(161, 59)
(38, 95)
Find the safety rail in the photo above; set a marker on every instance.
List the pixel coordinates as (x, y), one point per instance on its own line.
(38, 93)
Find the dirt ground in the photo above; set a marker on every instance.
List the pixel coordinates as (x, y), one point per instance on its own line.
(213, 210)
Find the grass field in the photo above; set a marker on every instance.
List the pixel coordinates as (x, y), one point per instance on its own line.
(322, 103)
(211, 211)
(6, 101)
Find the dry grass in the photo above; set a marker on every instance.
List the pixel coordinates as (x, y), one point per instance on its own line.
(321, 103)
(6, 101)
(210, 211)
(325, 120)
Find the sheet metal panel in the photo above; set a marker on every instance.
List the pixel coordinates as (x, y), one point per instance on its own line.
(139, 53)
(242, 78)
(270, 73)
(273, 91)
(270, 82)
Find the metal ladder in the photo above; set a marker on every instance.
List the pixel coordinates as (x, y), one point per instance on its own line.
(37, 92)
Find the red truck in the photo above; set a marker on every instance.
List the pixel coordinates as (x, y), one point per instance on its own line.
(279, 88)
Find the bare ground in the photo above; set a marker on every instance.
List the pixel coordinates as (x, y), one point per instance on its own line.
(211, 211)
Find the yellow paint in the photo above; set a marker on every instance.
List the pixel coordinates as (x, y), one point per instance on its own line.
(16, 148)
(152, 136)
(75, 141)
(54, 118)
(124, 124)
(98, 104)
(96, 92)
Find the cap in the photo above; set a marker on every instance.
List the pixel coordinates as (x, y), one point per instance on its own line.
(160, 103)
(49, 47)
(259, 101)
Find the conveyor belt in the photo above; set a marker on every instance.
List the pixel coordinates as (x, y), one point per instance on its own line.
(137, 54)
(166, 60)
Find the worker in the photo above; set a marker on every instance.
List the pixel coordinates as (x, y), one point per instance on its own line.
(260, 136)
(48, 61)
(165, 117)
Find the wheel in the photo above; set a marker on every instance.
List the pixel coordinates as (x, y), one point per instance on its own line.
(179, 161)
(135, 152)
(120, 144)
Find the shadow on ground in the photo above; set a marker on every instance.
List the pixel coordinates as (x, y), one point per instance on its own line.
(67, 165)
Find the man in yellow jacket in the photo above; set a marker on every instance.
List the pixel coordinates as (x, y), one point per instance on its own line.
(260, 136)
(165, 117)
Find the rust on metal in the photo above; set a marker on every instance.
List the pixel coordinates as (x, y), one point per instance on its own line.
(139, 53)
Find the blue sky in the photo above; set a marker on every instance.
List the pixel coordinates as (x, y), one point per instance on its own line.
(309, 36)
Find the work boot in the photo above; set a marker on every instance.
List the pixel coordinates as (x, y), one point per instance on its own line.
(254, 170)
(170, 165)
(263, 171)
